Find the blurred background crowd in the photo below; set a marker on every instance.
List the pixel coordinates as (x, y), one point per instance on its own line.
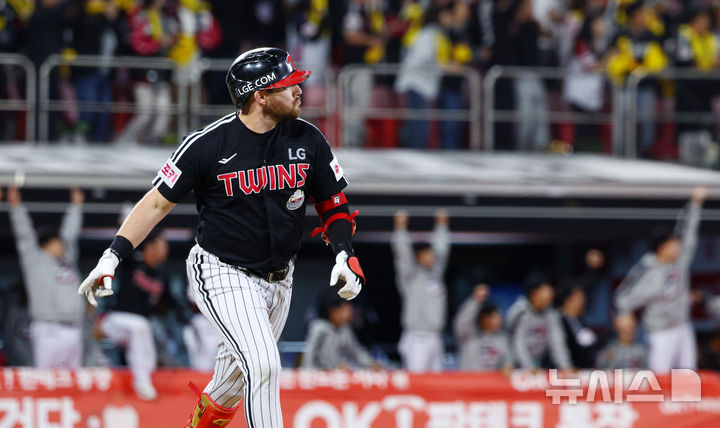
(582, 320)
(536, 280)
(575, 59)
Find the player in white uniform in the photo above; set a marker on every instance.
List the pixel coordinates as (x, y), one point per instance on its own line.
(49, 265)
(419, 276)
(250, 172)
(660, 284)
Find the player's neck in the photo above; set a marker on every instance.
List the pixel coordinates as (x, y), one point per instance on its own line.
(257, 122)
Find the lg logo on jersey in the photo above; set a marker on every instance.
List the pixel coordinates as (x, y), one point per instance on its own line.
(299, 154)
(275, 177)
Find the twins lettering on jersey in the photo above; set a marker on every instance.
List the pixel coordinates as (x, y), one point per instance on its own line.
(275, 177)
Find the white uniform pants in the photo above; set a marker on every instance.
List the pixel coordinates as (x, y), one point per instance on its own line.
(134, 333)
(672, 348)
(56, 345)
(421, 351)
(249, 313)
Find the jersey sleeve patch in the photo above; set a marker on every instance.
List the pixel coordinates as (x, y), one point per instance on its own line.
(336, 168)
(169, 173)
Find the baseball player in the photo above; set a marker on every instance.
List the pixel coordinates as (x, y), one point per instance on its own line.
(142, 288)
(660, 283)
(49, 264)
(626, 352)
(331, 343)
(478, 330)
(419, 278)
(251, 172)
(535, 329)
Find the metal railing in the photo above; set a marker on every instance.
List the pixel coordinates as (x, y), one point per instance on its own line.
(491, 115)
(481, 114)
(633, 117)
(28, 103)
(46, 105)
(470, 115)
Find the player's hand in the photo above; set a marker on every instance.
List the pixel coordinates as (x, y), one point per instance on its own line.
(99, 282)
(347, 271)
(442, 217)
(77, 196)
(13, 196)
(699, 194)
(401, 219)
(481, 292)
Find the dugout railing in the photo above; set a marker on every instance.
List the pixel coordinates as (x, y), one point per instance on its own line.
(20, 102)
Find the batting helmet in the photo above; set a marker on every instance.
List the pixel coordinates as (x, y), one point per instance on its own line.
(261, 68)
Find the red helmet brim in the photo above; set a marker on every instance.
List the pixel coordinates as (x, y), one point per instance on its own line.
(295, 78)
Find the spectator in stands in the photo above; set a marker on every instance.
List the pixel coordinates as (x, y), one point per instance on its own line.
(461, 36)
(536, 333)
(478, 331)
(364, 36)
(517, 44)
(549, 15)
(153, 32)
(635, 49)
(95, 29)
(331, 343)
(43, 36)
(580, 340)
(198, 31)
(660, 284)
(625, 352)
(419, 276)
(12, 16)
(584, 86)
(419, 79)
(697, 48)
(141, 289)
(48, 259)
(314, 29)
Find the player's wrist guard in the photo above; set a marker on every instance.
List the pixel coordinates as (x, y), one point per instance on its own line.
(121, 247)
(330, 212)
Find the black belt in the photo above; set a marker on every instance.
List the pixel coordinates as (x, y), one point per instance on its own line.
(272, 275)
(269, 276)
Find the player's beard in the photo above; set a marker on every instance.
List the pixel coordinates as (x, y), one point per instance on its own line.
(281, 111)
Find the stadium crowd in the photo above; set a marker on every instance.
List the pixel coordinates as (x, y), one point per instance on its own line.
(146, 325)
(593, 41)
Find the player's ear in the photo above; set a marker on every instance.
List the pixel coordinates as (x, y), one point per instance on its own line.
(260, 97)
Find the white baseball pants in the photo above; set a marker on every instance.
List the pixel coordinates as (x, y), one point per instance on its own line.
(249, 313)
(421, 351)
(672, 348)
(56, 345)
(134, 333)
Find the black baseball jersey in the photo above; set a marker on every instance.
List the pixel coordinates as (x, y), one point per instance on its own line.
(251, 189)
